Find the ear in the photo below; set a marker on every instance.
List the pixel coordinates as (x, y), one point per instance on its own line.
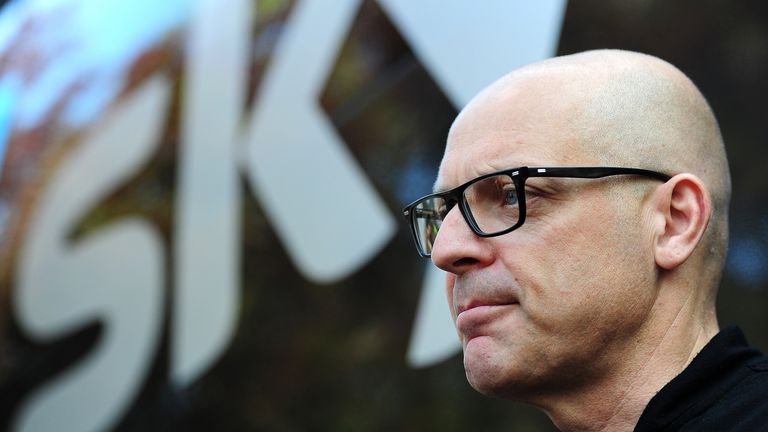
(684, 206)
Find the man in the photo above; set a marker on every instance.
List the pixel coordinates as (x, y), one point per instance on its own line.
(589, 292)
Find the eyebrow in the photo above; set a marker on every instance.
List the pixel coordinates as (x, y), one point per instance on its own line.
(438, 188)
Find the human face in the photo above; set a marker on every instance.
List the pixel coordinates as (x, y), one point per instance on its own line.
(556, 304)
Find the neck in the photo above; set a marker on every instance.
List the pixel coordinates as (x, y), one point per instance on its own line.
(676, 331)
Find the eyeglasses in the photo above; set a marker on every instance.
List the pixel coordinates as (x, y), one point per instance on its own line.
(494, 204)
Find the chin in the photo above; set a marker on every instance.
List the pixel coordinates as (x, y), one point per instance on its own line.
(482, 386)
(499, 377)
(492, 386)
(489, 378)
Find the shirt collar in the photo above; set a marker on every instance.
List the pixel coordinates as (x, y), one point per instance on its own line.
(716, 369)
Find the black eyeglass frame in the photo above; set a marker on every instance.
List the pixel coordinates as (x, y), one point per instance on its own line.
(518, 176)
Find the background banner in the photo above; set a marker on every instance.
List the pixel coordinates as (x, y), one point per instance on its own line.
(200, 221)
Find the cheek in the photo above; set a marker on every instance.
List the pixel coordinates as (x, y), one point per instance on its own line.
(583, 272)
(450, 280)
(608, 278)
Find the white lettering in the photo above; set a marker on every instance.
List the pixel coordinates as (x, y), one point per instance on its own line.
(113, 276)
(317, 198)
(324, 209)
(463, 60)
(208, 227)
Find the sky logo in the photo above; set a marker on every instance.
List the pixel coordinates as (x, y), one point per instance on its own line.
(115, 274)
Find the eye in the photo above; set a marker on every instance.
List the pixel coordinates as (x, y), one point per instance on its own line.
(509, 194)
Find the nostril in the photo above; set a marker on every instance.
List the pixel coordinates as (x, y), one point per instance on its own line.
(465, 262)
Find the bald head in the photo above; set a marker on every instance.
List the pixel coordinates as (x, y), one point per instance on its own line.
(618, 108)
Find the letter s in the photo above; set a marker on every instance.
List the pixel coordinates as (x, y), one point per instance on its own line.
(113, 275)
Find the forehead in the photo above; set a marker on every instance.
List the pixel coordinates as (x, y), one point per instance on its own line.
(524, 124)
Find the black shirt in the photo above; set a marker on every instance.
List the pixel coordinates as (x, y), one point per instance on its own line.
(725, 388)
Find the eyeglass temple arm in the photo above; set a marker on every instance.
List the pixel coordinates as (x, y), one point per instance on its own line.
(593, 172)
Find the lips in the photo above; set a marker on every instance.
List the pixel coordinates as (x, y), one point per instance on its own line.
(467, 304)
(480, 301)
(477, 318)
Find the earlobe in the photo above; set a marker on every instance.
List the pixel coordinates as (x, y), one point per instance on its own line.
(685, 207)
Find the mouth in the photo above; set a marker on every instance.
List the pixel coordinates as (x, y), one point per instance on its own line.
(474, 304)
(476, 318)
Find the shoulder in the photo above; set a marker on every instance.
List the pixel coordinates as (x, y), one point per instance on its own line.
(741, 407)
(724, 388)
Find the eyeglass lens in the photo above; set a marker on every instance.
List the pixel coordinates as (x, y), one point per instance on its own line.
(492, 202)
(428, 215)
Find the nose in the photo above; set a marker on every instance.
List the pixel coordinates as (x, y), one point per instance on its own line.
(457, 248)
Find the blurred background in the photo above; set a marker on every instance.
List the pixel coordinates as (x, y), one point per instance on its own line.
(200, 200)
